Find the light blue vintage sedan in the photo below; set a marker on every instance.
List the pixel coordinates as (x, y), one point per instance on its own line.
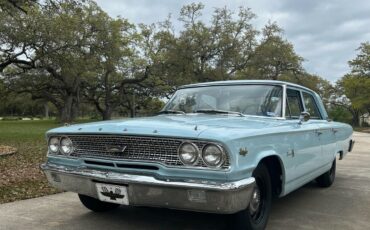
(221, 147)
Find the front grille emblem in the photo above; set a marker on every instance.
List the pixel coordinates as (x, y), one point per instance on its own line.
(115, 148)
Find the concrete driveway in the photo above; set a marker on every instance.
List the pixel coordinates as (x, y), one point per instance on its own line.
(346, 205)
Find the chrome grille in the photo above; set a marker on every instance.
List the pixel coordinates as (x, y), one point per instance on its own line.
(149, 149)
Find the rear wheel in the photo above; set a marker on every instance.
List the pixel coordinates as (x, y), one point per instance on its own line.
(327, 179)
(255, 216)
(96, 205)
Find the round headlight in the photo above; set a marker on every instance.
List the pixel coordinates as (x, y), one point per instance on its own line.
(188, 153)
(213, 155)
(66, 146)
(54, 144)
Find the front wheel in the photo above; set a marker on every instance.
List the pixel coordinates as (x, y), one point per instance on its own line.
(96, 205)
(255, 216)
(327, 179)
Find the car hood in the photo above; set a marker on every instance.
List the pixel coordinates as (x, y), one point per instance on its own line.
(186, 126)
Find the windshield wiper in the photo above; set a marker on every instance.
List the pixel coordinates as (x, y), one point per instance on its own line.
(218, 111)
(171, 112)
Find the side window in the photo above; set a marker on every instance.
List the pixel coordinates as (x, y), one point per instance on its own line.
(294, 104)
(311, 106)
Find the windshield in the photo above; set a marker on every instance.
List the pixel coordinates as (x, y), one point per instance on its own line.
(258, 100)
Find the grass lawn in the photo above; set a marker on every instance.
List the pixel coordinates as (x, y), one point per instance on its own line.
(20, 176)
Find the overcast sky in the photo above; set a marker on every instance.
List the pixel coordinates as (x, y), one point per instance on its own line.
(326, 33)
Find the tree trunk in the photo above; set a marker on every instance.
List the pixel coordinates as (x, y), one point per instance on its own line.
(68, 112)
(107, 114)
(356, 119)
(133, 106)
(132, 112)
(46, 107)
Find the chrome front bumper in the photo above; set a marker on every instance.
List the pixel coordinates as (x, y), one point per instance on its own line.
(193, 195)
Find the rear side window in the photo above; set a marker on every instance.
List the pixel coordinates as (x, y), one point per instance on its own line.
(311, 107)
(294, 104)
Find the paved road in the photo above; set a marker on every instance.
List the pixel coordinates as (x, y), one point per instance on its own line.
(346, 205)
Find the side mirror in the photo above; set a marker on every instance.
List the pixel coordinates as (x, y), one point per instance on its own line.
(305, 116)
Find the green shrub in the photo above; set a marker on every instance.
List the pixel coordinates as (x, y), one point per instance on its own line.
(340, 114)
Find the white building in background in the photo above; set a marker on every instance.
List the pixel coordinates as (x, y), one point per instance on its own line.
(365, 118)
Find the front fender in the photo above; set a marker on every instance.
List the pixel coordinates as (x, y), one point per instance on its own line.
(257, 150)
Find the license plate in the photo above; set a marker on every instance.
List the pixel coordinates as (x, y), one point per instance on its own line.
(112, 193)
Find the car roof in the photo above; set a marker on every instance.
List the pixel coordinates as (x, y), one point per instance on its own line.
(245, 82)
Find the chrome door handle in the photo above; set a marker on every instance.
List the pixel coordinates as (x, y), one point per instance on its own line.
(318, 132)
(334, 130)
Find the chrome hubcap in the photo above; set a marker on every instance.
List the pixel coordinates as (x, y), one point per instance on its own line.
(255, 202)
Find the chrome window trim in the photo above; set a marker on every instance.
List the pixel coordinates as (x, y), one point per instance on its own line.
(315, 104)
(300, 95)
(201, 86)
(302, 101)
(284, 101)
(245, 82)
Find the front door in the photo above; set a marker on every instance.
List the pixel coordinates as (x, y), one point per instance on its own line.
(305, 142)
(325, 132)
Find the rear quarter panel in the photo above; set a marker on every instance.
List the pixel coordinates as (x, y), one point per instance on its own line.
(343, 136)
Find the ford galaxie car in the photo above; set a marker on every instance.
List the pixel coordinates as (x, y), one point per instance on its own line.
(224, 147)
